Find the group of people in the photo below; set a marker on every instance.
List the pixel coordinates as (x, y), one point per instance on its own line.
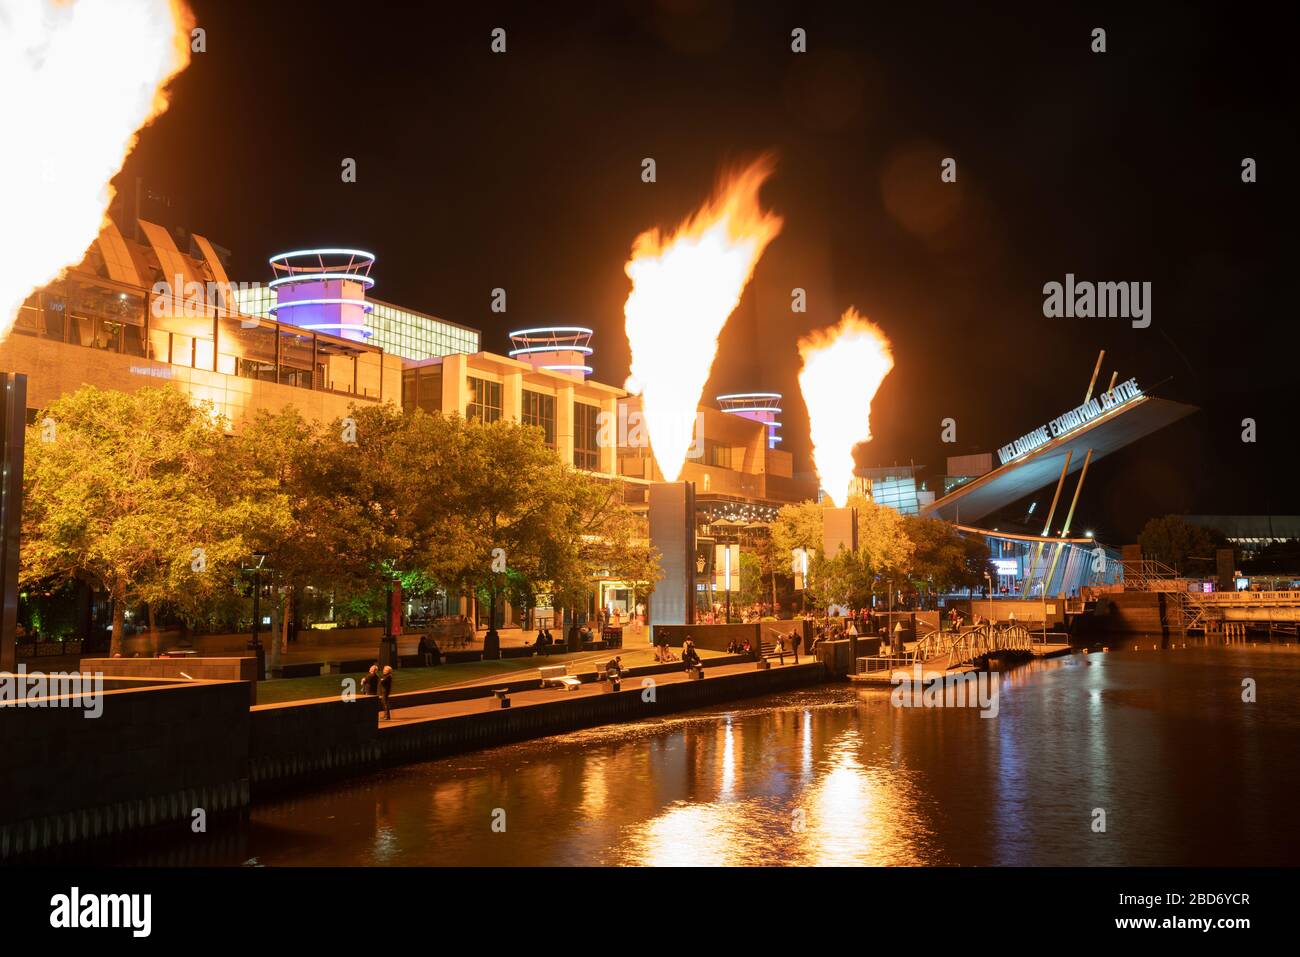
(375, 683)
(737, 647)
(795, 640)
(429, 652)
(543, 643)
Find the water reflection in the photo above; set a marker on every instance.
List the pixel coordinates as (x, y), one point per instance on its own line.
(1186, 772)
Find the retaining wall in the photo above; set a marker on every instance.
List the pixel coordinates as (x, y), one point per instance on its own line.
(207, 669)
(154, 754)
(434, 738)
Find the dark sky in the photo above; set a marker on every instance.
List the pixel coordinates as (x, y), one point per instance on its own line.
(522, 171)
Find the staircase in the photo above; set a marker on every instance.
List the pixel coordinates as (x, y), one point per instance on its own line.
(1185, 610)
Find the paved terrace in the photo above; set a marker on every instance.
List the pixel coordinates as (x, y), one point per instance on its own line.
(525, 699)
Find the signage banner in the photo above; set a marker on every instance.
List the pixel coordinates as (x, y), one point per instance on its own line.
(1070, 421)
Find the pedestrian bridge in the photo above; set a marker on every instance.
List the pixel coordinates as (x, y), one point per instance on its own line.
(1251, 605)
(952, 650)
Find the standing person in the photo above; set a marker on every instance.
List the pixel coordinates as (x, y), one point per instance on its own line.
(370, 683)
(780, 647)
(795, 640)
(385, 687)
(426, 655)
(691, 657)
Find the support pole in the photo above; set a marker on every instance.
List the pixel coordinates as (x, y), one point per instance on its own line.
(1096, 370)
(1047, 526)
(1065, 530)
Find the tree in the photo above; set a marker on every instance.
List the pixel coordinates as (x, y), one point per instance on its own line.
(1177, 542)
(137, 493)
(943, 557)
(606, 540)
(882, 537)
(798, 526)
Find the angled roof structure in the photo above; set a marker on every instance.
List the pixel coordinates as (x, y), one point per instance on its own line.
(1023, 476)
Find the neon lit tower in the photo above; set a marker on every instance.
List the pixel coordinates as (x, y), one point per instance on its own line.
(757, 406)
(559, 349)
(324, 289)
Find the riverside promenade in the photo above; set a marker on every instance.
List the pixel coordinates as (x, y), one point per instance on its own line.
(302, 741)
(639, 681)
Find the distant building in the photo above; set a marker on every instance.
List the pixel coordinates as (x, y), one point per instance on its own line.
(1251, 533)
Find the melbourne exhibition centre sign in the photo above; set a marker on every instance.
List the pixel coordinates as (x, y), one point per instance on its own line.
(1062, 425)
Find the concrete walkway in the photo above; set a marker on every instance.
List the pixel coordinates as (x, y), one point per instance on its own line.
(524, 699)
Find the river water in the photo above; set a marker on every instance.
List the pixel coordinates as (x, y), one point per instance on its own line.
(1160, 742)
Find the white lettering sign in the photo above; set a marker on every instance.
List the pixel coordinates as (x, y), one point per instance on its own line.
(1093, 409)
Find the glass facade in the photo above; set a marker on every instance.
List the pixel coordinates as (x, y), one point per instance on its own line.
(411, 335)
(486, 404)
(539, 410)
(422, 389)
(586, 430)
(100, 314)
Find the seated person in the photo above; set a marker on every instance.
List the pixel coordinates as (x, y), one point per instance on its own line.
(614, 667)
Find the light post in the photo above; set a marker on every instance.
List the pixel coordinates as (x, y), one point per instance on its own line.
(726, 564)
(989, 579)
(255, 642)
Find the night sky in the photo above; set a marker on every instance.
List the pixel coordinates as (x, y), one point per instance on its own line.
(522, 170)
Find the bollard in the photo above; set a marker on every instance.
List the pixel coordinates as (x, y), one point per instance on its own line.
(503, 697)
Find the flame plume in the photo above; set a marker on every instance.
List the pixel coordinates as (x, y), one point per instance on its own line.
(78, 79)
(842, 368)
(684, 287)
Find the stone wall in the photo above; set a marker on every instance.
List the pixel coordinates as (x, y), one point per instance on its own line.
(306, 739)
(210, 669)
(419, 741)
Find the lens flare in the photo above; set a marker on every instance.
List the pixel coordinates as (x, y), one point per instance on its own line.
(684, 287)
(842, 368)
(78, 79)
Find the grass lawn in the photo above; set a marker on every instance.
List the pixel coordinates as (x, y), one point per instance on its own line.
(467, 672)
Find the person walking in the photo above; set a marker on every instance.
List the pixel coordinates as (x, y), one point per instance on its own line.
(385, 688)
(779, 651)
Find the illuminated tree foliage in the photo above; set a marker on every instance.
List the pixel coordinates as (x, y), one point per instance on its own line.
(136, 493)
(133, 483)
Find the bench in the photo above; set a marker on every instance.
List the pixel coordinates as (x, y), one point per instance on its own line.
(558, 676)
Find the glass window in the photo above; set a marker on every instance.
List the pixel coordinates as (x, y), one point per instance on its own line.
(539, 410)
(247, 349)
(486, 404)
(586, 429)
(295, 358)
(717, 454)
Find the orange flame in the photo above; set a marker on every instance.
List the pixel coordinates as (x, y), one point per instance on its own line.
(684, 287)
(80, 79)
(842, 368)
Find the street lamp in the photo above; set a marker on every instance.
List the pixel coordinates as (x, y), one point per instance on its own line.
(989, 578)
(726, 564)
(256, 569)
(255, 643)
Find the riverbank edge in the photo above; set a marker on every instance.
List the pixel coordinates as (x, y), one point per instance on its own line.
(299, 746)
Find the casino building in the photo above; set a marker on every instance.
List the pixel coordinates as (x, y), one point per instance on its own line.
(154, 306)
